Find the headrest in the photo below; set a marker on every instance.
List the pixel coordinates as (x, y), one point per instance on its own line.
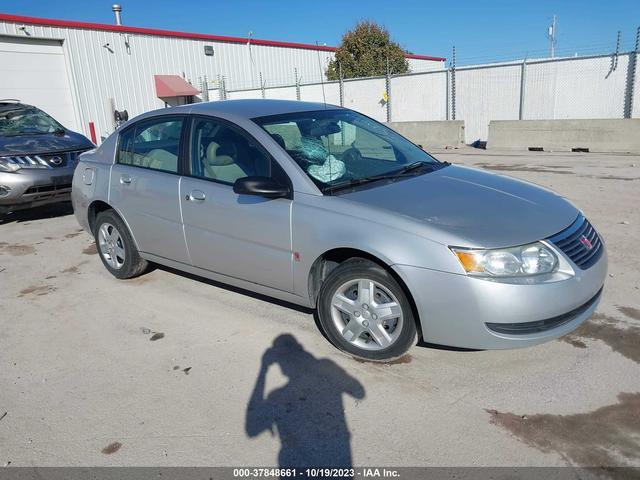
(217, 160)
(278, 138)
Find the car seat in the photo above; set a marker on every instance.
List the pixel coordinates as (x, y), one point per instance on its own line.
(221, 166)
(160, 159)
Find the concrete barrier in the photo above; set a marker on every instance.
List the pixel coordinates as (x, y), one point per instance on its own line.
(435, 134)
(606, 135)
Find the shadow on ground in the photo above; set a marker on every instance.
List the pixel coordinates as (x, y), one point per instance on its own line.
(306, 414)
(92, 250)
(38, 213)
(231, 288)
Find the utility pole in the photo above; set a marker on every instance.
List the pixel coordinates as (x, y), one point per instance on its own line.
(552, 37)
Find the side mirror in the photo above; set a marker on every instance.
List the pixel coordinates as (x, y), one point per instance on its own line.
(261, 186)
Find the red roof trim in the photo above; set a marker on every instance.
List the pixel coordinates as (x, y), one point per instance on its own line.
(155, 31)
(170, 33)
(425, 57)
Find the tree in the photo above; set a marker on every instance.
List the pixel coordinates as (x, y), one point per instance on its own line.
(364, 52)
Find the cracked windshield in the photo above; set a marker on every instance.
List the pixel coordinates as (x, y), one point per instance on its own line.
(18, 120)
(339, 148)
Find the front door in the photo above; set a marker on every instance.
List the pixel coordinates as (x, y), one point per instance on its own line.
(241, 236)
(145, 186)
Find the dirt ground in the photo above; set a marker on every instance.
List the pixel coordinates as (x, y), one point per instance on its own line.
(167, 369)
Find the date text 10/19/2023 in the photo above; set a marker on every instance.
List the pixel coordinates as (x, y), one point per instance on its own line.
(362, 472)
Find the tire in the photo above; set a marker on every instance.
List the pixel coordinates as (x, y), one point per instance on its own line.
(379, 330)
(116, 247)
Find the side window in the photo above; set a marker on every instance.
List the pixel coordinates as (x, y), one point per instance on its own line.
(153, 144)
(223, 153)
(125, 148)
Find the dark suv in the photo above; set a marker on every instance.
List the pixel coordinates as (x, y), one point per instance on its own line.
(37, 157)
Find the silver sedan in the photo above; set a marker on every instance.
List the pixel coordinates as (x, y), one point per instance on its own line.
(326, 208)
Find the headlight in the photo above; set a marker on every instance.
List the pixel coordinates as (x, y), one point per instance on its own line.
(531, 259)
(13, 164)
(8, 165)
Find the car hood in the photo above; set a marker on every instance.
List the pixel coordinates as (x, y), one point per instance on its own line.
(45, 143)
(468, 207)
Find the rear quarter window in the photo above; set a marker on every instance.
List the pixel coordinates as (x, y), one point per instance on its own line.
(153, 144)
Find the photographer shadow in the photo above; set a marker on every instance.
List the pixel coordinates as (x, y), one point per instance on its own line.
(307, 413)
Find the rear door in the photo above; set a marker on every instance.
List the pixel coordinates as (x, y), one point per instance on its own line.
(145, 185)
(243, 236)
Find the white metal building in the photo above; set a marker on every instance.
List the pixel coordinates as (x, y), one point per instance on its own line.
(80, 72)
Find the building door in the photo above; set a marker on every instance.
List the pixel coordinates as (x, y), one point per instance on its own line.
(34, 71)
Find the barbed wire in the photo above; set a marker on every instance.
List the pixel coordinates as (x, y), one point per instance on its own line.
(477, 59)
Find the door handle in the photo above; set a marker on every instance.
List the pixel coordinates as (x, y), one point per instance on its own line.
(196, 196)
(125, 179)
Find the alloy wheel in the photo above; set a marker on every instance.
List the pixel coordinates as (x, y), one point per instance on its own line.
(111, 246)
(367, 314)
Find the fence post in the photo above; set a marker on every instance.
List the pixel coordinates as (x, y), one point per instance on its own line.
(453, 84)
(523, 80)
(631, 78)
(295, 72)
(446, 95)
(204, 85)
(341, 84)
(388, 89)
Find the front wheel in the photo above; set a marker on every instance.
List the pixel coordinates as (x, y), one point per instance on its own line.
(364, 311)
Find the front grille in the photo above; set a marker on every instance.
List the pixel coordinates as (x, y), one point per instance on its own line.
(580, 242)
(44, 160)
(47, 188)
(542, 325)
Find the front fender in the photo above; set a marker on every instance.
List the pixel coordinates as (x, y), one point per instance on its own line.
(318, 228)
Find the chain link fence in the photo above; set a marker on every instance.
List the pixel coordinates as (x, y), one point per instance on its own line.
(586, 87)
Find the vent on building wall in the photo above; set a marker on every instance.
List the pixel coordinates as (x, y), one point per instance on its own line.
(208, 50)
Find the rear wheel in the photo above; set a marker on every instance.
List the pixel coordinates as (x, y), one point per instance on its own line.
(364, 311)
(116, 247)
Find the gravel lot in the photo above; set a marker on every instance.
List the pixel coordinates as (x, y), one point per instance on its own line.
(160, 370)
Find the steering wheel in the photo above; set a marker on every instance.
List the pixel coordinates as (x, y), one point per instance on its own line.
(352, 155)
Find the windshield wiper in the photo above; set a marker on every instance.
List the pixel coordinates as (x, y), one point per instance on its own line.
(404, 172)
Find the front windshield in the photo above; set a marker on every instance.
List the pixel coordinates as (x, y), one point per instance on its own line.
(342, 147)
(25, 120)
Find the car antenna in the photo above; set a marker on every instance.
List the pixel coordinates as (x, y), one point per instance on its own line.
(324, 98)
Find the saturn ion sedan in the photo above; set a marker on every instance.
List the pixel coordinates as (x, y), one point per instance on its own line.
(326, 208)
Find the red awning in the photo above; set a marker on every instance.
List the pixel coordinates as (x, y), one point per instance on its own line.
(173, 86)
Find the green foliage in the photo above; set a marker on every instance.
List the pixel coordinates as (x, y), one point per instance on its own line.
(364, 52)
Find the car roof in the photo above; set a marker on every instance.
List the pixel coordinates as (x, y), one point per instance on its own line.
(12, 105)
(251, 108)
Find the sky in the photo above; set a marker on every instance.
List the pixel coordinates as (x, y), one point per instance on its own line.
(482, 31)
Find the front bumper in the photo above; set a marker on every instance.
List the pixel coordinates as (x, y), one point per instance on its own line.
(454, 309)
(28, 188)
